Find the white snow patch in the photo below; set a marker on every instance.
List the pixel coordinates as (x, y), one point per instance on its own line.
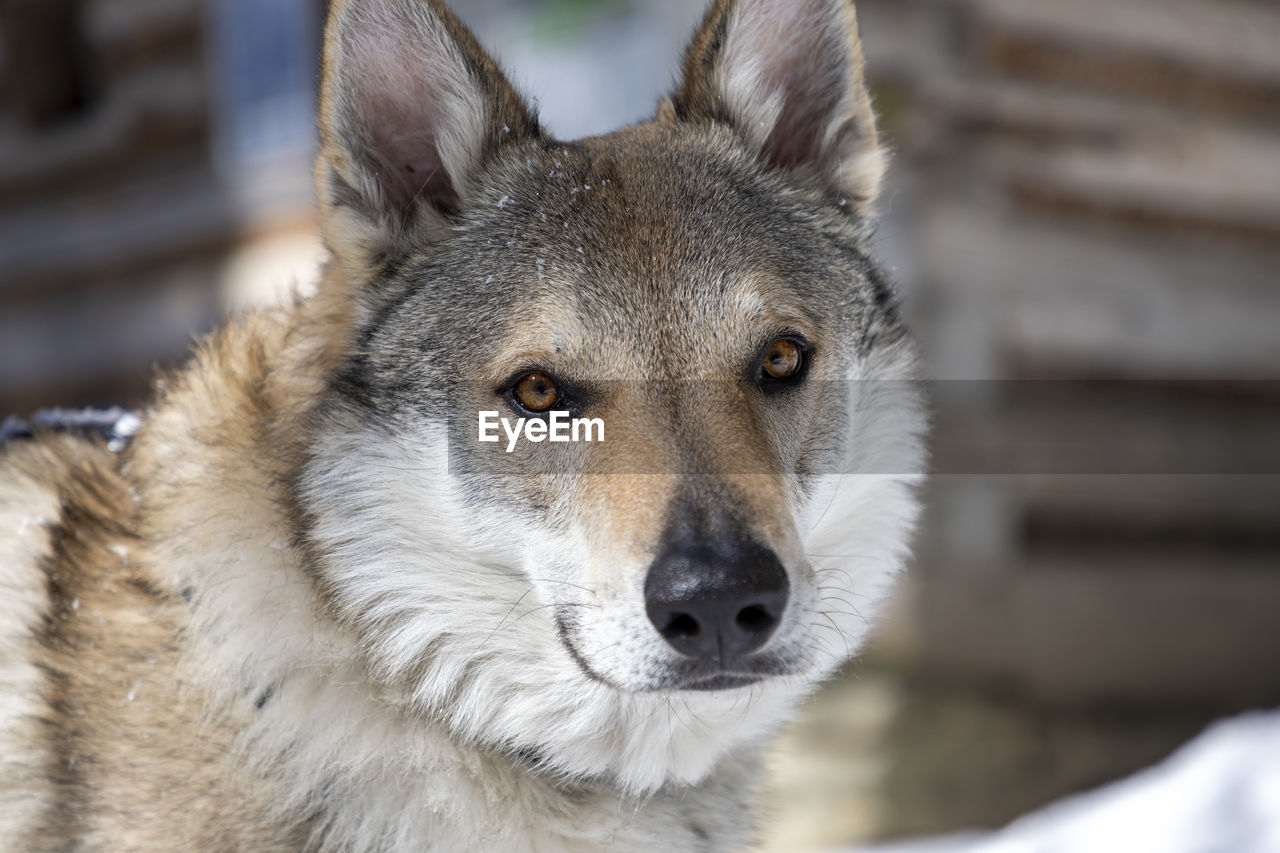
(31, 521)
(127, 425)
(1218, 794)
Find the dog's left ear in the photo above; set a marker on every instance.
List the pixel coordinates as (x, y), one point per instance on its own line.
(787, 75)
(411, 108)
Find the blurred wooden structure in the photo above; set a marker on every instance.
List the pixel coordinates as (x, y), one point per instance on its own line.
(122, 190)
(1093, 191)
(1085, 190)
(1081, 189)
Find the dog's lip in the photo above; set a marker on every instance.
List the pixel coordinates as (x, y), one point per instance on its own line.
(720, 681)
(699, 680)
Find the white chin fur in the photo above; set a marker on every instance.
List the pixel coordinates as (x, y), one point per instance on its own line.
(439, 606)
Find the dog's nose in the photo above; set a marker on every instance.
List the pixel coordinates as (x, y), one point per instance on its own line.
(716, 602)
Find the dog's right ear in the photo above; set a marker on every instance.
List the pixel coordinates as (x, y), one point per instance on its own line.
(410, 108)
(787, 75)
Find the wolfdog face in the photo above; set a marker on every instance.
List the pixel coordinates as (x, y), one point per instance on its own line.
(628, 608)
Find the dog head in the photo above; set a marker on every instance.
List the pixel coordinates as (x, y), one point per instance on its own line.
(699, 285)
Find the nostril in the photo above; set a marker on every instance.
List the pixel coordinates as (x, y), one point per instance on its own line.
(716, 599)
(754, 619)
(682, 626)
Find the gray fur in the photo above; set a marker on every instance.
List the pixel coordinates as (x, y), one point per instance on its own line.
(302, 611)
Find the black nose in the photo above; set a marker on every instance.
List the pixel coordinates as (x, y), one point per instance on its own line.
(716, 601)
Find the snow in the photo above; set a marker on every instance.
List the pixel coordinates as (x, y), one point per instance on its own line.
(1218, 794)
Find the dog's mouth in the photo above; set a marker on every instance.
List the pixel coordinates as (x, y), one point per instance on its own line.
(723, 681)
(694, 676)
(731, 675)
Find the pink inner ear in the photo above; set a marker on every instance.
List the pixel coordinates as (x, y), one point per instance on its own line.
(809, 109)
(410, 171)
(800, 50)
(396, 69)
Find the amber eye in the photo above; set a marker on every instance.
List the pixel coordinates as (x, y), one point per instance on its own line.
(784, 359)
(536, 392)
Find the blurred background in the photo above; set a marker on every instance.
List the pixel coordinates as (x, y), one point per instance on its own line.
(1081, 189)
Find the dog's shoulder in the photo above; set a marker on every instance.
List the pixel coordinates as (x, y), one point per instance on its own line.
(59, 477)
(43, 473)
(99, 716)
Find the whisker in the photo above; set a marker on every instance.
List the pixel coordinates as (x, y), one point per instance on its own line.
(538, 607)
(825, 588)
(844, 556)
(834, 493)
(504, 619)
(848, 650)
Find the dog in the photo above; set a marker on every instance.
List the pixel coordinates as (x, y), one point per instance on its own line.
(309, 606)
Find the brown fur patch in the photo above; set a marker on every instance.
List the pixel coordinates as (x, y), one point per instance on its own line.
(124, 744)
